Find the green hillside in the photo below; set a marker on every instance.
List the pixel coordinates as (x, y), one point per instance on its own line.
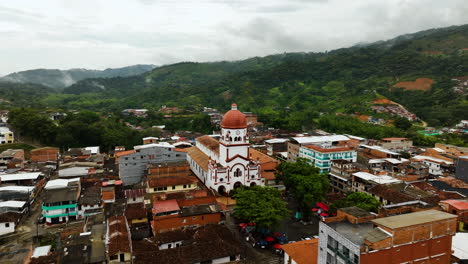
(287, 89)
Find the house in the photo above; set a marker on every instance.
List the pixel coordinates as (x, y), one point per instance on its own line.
(133, 164)
(340, 174)
(301, 252)
(137, 218)
(396, 143)
(150, 140)
(8, 222)
(108, 194)
(225, 164)
(6, 135)
(459, 208)
(14, 206)
(46, 154)
(276, 145)
(89, 202)
(24, 179)
(437, 167)
(17, 193)
(118, 240)
(206, 244)
(460, 253)
(74, 172)
(12, 159)
(60, 203)
(451, 150)
(406, 238)
(363, 181)
(377, 152)
(135, 196)
(395, 193)
(171, 215)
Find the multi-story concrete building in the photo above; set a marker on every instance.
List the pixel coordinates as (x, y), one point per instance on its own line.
(322, 154)
(60, 203)
(420, 237)
(295, 143)
(436, 166)
(340, 176)
(133, 165)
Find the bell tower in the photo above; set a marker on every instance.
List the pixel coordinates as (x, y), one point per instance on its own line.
(234, 138)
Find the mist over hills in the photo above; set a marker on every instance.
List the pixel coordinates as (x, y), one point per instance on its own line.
(60, 79)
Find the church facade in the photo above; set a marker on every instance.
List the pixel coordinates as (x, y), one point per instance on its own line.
(226, 164)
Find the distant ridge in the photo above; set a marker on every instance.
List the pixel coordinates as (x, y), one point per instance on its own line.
(59, 79)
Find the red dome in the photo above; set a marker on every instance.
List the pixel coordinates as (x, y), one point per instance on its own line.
(234, 119)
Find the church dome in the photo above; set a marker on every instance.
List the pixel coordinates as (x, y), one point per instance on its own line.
(234, 119)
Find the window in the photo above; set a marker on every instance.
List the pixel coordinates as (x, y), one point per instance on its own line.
(185, 186)
(7, 224)
(169, 246)
(113, 257)
(237, 173)
(173, 187)
(194, 217)
(184, 221)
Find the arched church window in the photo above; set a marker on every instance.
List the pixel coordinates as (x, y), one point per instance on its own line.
(230, 138)
(237, 173)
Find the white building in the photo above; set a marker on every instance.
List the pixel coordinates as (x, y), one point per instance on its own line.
(8, 222)
(226, 164)
(60, 201)
(436, 166)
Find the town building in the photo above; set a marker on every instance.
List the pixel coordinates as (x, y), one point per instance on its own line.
(437, 167)
(46, 154)
(340, 176)
(150, 140)
(363, 181)
(226, 164)
(6, 135)
(296, 143)
(396, 143)
(14, 206)
(133, 164)
(12, 159)
(377, 152)
(60, 203)
(8, 222)
(21, 179)
(451, 150)
(276, 145)
(459, 208)
(206, 244)
(118, 240)
(322, 154)
(301, 252)
(419, 237)
(135, 196)
(461, 171)
(267, 165)
(171, 215)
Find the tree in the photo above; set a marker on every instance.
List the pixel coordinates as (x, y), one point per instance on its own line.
(304, 181)
(260, 205)
(402, 123)
(358, 199)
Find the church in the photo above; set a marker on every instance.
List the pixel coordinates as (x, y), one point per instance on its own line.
(226, 164)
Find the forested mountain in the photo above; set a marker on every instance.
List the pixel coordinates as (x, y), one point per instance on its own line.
(286, 90)
(60, 79)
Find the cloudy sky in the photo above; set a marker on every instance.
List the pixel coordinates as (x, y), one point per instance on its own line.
(112, 33)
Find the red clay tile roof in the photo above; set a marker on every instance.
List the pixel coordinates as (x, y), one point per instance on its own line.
(303, 252)
(118, 239)
(199, 157)
(209, 142)
(123, 153)
(171, 181)
(134, 193)
(135, 211)
(108, 195)
(165, 206)
(459, 204)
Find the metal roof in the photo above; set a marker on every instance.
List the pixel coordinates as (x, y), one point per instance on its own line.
(13, 204)
(19, 176)
(380, 179)
(412, 219)
(318, 139)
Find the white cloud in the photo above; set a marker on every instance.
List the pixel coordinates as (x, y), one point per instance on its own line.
(100, 33)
